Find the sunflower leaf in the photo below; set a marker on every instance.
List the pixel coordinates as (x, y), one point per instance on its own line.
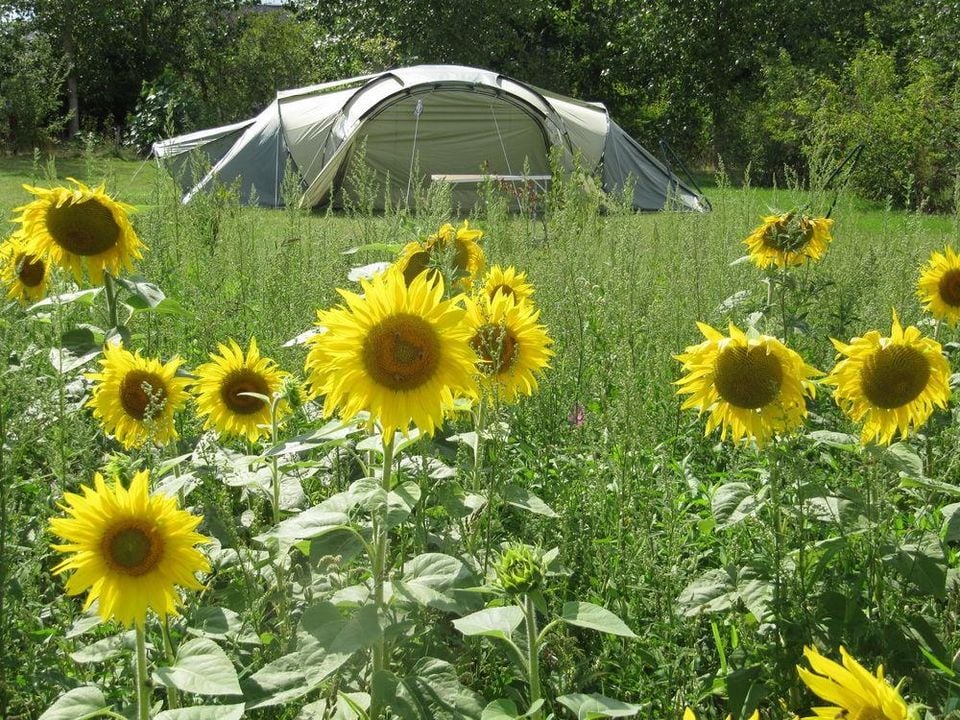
(594, 617)
(204, 712)
(589, 707)
(201, 667)
(77, 704)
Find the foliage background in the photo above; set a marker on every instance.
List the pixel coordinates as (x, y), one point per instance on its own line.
(758, 82)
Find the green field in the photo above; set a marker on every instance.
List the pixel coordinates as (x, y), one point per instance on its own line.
(725, 561)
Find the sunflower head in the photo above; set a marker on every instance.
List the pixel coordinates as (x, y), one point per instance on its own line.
(788, 239)
(939, 286)
(25, 274)
(129, 548)
(853, 691)
(80, 228)
(507, 281)
(753, 386)
(135, 398)
(520, 570)
(399, 352)
(234, 391)
(890, 384)
(453, 253)
(512, 348)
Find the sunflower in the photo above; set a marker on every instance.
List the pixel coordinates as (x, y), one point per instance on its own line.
(80, 227)
(788, 239)
(890, 383)
(430, 255)
(753, 386)
(135, 398)
(398, 352)
(507, 282)
(855, 692)
(512, 348)
(221, 385)
(939, 286)
(130, 548)
(25, 274)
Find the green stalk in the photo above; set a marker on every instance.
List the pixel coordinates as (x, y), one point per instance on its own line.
(143, 691)
(381, 547)
(776, 518)
(533, 652)
(111, 293)
(173, 697)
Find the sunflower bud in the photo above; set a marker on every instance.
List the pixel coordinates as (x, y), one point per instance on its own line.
(291, 390)
(520, 570)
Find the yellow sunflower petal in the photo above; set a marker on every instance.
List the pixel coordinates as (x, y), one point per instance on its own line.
(230, 391)
(79, 229)
(890, 384)
(135, 398)
(130, 549)
(400, 353)
(751, 387)
(25, 274)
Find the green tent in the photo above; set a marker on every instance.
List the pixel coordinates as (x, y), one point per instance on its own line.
(422, 124)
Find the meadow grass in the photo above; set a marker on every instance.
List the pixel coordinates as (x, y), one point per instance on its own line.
(634, 485)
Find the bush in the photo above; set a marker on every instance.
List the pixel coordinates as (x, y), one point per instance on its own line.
(30, 103)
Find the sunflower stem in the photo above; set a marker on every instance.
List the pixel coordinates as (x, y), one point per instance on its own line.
(143, 691)
(533, 652)
(275, 485)
(173, 697)
(381, 547)
(776, 518)
(111, 293)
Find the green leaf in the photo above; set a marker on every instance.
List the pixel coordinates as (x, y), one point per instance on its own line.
(733, 502)
(342, 542)
(64, 361)
(277, 682)
(400, 503)
(82, 340)
(498, 622)
(351, 705)
(433, 691)
(588, 707)
(756, 592)
(309, 524)
(143, 294)
(202, 668)
(922, 563)
(504, 709)
(84, 297)
(222, 624)
(401, 442)
(334, 432)
(470, 439)
(714, 591)
(525, 500)
(840, 441)
(383, 688)
(901, 458)
(106, 649)
(77, 704)
(594, 617)
(951, 522)
(327, 639)
(204, 712)
(501, 709)
(436, 570)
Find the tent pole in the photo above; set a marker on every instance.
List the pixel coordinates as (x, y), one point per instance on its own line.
(417, 111)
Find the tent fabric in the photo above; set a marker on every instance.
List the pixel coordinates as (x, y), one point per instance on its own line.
(412, 126)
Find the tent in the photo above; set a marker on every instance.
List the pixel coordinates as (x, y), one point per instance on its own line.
(420, 124)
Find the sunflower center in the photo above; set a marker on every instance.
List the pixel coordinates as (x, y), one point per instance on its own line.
(402, 352)
(241, 381)
(949, 288)
(748, 378)
(84, 228)
(786, 236)
(503, 289)
(134, 548)
(30, 270)
(869, 712)
(497, 348)
(417, 263)
(894, 376)
(142, 394)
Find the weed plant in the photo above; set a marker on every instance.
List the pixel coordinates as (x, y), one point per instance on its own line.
(670, 531)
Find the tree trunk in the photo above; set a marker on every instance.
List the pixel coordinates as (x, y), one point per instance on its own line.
(73, 100)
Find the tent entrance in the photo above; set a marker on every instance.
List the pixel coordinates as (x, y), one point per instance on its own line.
(458, 132)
